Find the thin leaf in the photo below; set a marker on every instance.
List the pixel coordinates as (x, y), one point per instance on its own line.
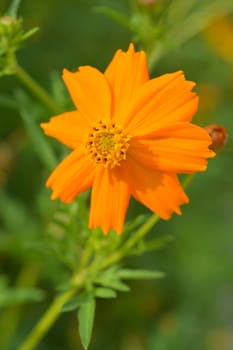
(30, 33)
(114, 14)
(11, 296)
(7, 101)
(13, 8)
(41, 146)
(105, 293)
(86, 314)
(76, 302)
(29, 113)
(113, 284)
(155, 244)
(139, 274)
(131, 225)
(72, 305)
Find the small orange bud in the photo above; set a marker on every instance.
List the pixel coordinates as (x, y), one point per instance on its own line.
(219, 136)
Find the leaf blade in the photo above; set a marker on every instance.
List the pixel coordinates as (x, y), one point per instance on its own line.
(139, 274)
(106, 293)
(86, 314)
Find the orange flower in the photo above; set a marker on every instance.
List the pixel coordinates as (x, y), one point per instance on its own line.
(130, 136)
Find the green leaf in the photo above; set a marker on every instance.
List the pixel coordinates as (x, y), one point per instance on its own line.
(7, 101)
(13, 8)
(86, 314)
(139, 274)
(30, 33)
(11, 296)
(134, 223)
(40, 144)
(29, 113)
(110, 279)
(76, 302)
(105, 293)
(113, 284)
(153, 244)
(114, 14)
(71, 305)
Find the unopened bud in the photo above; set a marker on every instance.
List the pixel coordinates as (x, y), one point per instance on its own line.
(11, 38)
(6, 20)
(218, 135)
(10, 29)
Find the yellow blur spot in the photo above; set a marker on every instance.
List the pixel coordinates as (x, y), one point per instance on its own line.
(219, 36)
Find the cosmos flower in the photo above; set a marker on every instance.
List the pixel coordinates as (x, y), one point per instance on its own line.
(130, 136)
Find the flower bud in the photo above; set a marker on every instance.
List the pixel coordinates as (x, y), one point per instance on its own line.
(11, 38)
(10, 33)
(218, 135)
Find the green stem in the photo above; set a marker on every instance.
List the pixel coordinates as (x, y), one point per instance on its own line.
(36, 89)
(132, 241)
(54, 310)
(140, 233)
(50, 316)
(187, 180)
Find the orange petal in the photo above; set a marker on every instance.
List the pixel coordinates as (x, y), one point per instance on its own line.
(109, 200)
(90, 92)
(160, 102)
(126, 73)
(72, 176)
(160, 192)
(68, 128)
(180, 148)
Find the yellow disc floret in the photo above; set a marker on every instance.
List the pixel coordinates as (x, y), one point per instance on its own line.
(107, 144)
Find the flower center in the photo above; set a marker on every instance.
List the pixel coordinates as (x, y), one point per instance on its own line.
(107, 144)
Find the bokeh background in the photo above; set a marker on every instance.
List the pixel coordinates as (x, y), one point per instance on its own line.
(192, 307)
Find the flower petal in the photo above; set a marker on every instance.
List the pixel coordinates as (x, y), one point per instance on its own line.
(126, 73)
(160, 192)
(68, 128)
(90, 92)
(109, 200)
(160, 102)
(72, 176)
(180, 148)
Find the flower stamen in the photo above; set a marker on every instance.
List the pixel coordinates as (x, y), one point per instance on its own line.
(107, 144)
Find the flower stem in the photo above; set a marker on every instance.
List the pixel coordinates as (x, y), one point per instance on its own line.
(36, 89)
(132, 241)
(46, 321)
(187, 180)
(51, 315)
(141, 232)
(53, 312)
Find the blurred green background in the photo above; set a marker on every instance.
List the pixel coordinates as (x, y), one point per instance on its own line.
(192, 307)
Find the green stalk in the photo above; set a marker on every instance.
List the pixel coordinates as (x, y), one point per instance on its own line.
(51, 315)
(36, 89)
(132, 241)
(53, 312)
(46, 321)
